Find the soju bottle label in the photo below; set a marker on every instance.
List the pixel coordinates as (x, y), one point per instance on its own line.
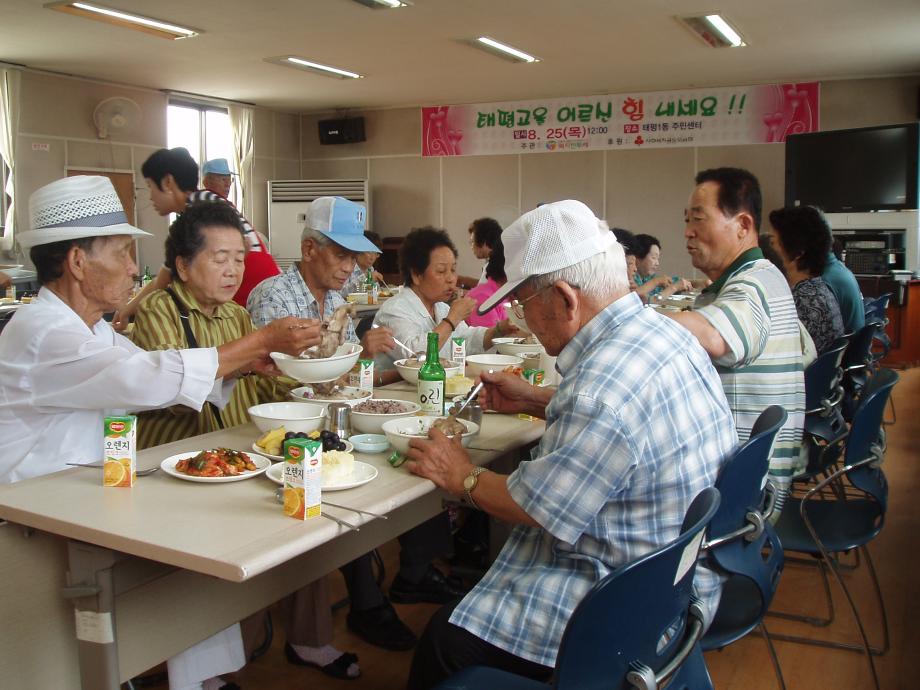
(431, 397)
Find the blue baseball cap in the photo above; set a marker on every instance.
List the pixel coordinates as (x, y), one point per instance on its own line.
(216, 166)
(342, 221)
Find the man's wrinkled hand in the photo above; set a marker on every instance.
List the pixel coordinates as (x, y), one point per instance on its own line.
(440, 459)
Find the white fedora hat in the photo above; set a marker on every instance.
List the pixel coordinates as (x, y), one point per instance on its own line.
(73, 208)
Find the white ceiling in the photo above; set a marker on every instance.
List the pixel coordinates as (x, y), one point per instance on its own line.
(417, 55)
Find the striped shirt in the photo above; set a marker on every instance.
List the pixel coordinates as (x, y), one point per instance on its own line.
(252, 238)
(157, 327)
(624, 454)
(752, 308)
(288, 295)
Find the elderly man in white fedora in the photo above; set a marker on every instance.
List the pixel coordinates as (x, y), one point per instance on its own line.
(63, 368)
(620, 462)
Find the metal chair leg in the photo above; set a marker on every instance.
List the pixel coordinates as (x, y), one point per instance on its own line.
(864, 647)
(881, 604)
(776, 668)
(811, 620)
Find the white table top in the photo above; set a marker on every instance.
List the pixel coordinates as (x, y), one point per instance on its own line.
(233, 531)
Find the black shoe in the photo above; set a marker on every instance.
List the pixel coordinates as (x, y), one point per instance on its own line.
(381, 627)
(434, 588)
(337, 669)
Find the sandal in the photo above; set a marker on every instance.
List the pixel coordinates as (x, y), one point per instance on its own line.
(336, 669)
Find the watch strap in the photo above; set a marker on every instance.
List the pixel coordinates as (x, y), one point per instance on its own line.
(474, 473)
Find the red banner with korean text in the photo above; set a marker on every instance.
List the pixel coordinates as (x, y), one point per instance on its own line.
(764, 114)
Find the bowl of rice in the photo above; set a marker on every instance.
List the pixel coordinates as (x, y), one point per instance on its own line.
(368, 416)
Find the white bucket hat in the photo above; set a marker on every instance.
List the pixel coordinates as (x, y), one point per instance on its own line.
(549, 238)
(73, 208)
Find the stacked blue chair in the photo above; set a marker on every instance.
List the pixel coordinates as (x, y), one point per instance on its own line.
(878, 309)
(846, 510)
(858, 365)
(613, 639)
(824, 422)
(743, 545)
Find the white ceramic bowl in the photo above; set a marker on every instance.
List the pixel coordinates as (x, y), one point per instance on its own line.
(293, 416)
(410, 374)
(306, 394)
(400, 431)
(370, 443)
(319, 370)
(372, 422)
(509, 346)
(476, 364)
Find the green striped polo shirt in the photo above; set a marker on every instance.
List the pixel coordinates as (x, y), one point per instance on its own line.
(751, 307)
(157, 327)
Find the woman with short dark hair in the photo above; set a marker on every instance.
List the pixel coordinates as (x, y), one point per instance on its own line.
(429, 299)
(802, 239)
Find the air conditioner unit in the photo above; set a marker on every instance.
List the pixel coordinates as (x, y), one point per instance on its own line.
(288, 201)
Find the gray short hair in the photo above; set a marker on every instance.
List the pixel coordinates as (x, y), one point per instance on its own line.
(315, 235)
(600, 276)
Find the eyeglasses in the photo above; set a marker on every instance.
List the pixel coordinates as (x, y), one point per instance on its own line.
(517, 306)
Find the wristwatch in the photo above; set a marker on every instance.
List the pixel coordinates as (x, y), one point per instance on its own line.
(470, 482)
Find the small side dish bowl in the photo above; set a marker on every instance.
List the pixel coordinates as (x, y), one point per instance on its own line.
(369, 443)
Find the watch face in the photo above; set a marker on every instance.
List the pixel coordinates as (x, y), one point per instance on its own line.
(469, 481)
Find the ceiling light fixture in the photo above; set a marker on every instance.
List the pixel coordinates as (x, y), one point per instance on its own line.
(316, 67)
(137, 22)
(714, 30)
(383, 4)
(503, 50)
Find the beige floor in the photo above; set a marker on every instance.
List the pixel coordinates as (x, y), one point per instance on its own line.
(745, 665)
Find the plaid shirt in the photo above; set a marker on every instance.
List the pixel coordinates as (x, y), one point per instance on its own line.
(638, 427)
(288, 295)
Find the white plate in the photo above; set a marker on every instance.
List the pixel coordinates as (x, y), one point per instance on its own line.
(258, 449)
(361, 474)
(169, 467)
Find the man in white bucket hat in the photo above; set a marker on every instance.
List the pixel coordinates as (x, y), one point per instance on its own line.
(63, 368)
(619, 464)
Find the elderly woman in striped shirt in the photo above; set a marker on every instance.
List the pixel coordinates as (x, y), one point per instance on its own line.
(205, 253)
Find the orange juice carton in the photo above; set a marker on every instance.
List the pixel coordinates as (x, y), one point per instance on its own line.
(458, 352)
(119, 465)
(534, 376)
(303, 478)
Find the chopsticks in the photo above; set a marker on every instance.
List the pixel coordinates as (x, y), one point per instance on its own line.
(343, 523)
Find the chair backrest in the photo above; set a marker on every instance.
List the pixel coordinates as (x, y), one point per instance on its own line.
(859, 349)
(741, 485)
(823, 375)
(877, 308)
(624, 618)
(864, 434)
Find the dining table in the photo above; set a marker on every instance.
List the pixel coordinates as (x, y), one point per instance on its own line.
(103, 583)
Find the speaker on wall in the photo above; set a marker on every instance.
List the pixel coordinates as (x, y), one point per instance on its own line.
(346, 130)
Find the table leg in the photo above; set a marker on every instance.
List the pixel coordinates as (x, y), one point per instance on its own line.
(91, 589)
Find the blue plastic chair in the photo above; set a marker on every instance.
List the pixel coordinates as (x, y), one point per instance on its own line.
(825, 524)
(614, 637)
(742, 543)
(824, 422)
(858, 365)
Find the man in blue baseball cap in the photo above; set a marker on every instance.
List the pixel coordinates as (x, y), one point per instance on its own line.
(216, 176)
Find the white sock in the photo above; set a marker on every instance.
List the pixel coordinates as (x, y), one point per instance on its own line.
(322, 656)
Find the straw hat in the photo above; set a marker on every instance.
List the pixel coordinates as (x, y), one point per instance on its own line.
(73, 208)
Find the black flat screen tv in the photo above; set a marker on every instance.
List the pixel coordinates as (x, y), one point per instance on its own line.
(866, 169)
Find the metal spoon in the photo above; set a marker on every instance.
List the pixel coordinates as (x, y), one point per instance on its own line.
(473, 393)
(404, 347)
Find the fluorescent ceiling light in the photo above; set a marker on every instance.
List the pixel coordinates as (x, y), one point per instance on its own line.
(383, 4)
(124, 19)
(714, 30)
(504, 49)
(728, 33)
(318, 68)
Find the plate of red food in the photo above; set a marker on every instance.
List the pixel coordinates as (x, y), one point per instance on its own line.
(215, 465)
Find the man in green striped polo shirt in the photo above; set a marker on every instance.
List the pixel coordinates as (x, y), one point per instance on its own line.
(746, 320)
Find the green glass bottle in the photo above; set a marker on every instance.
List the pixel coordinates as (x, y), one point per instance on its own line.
(370, 287)
(431, 378)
